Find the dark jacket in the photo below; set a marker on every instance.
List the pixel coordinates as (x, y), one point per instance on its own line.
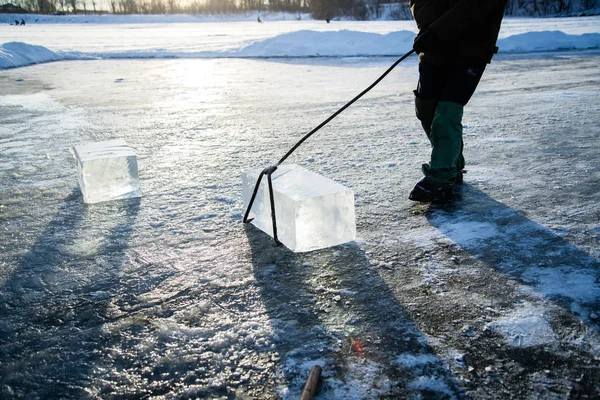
(468, 29)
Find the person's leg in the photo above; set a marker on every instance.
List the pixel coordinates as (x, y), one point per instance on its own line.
(446, 141)
(451, 91)
(460, 89)
(427, 96)
(446, 128)
(432, 82)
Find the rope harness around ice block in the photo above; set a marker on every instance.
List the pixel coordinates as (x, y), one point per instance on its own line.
(269, 170)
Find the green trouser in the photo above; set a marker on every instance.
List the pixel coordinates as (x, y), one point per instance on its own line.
(442, 124)
(442, 92)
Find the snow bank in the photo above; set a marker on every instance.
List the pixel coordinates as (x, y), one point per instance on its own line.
(306, 43)
(17, 54)
(342, 43)
(549, 40)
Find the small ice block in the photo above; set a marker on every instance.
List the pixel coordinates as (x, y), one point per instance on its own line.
(312, 212)
(107, 171)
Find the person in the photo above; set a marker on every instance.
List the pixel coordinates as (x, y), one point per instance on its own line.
(259, 21)
(456, 40)
(22, 21)
(17, 22)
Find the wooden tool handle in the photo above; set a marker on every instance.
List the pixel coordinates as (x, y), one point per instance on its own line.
(312, 384)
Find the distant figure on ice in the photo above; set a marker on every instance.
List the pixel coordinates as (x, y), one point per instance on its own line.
(16, 22)
(259, 21)
(456, 40)
(328, 18)
(22, 21)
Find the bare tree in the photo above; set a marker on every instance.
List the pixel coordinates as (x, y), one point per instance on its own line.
(589, 4)
(45, 6)
(157, 7)
(564, 5)
(173, 6)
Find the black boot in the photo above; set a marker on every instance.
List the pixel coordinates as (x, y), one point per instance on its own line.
(429, 191)
(459, 177)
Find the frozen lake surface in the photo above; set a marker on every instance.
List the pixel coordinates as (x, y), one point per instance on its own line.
(197, 37)
(496, 295)
(44, 42)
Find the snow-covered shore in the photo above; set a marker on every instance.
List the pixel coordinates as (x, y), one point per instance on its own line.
(149, 19)
(33, 45)
(322, 44)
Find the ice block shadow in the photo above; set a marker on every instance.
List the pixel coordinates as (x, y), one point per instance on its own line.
(331, 307)
(55, 301)
(511, 243)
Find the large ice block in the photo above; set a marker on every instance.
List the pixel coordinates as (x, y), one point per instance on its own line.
(107, 171)
(313, 212)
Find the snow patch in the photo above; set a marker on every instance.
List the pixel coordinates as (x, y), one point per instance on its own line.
(424, 238)
(468, 233)
(301, 369)
(527, 326)
(431, 384)
(37, 102)
(408, 360)
(564, 281)
(362, 376)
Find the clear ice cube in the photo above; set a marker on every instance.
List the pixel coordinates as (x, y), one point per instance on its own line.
(312, 211)
(107, 171)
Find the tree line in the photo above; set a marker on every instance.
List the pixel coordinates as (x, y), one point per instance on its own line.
(160, 6)
(551, 7)
(320, 9)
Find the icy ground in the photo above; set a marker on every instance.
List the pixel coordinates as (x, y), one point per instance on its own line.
(494, 296)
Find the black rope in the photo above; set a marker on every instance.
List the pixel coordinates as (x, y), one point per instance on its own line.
(338, 112)
(273, 206)
(269, 170)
